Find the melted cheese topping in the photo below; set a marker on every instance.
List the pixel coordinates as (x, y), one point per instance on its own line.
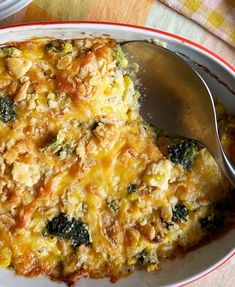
(79, 147)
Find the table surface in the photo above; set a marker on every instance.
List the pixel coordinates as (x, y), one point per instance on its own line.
(151, 13)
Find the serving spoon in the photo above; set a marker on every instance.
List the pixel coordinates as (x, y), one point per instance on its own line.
(176, 99)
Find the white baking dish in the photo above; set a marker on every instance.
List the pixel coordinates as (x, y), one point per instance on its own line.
(220, 77)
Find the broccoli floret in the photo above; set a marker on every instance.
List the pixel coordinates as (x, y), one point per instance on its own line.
(7, 110)
(132, 188)
(179, 213)
(55, 46)
(58, 45)
(212, 223)
(113, 204)
(146, 257)
(57, 143)
(60, 146)
(221, 214)
(68, 228)
(9, 52)
(183, 152)
(216, 219)
(119, 56)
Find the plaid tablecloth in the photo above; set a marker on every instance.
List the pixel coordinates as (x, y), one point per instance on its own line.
(218, 16)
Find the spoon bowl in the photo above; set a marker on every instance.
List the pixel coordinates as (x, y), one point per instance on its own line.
(176, 99)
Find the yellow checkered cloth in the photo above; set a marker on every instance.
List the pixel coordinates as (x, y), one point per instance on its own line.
(218, 16)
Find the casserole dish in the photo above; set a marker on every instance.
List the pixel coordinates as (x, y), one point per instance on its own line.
(220, 78)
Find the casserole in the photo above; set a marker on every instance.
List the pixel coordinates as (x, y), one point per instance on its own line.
(193, 263)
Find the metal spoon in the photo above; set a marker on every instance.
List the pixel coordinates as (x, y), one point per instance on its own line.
(177, 99)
